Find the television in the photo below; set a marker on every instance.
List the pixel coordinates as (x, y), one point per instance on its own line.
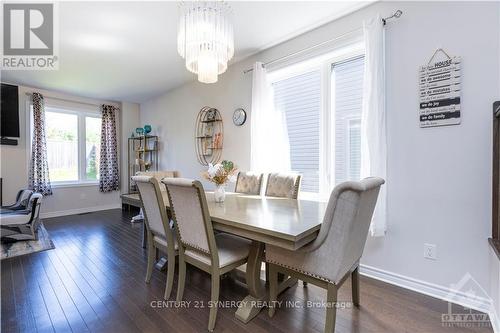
(9, 111)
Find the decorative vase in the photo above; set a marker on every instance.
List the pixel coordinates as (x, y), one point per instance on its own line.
(220, 193)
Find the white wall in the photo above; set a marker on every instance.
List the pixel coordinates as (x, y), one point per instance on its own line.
(439, 179)
(65, 200)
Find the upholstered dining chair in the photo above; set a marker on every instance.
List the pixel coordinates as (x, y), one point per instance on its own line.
(334, 255)
(159, 175)
(248, 183)
(198, 245)
(160, 236)
(283, 185)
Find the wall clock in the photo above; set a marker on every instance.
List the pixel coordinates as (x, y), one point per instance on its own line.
(239, 117)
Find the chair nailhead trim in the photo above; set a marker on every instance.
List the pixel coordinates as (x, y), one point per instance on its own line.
(300, 271)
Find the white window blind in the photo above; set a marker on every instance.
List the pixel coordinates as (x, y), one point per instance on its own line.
(300, 99)
(347, 86)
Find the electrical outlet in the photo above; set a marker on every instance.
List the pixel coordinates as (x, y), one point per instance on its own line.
(430, 251)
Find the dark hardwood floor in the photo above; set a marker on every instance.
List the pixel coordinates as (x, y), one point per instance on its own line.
(94, 281)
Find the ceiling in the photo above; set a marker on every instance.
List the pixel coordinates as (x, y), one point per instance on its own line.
(126, 51)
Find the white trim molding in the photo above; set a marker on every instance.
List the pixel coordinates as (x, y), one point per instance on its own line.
(46, 215)
(478, 303)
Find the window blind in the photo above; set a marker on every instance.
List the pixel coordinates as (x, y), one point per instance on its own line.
(347, 86)
(300, 99)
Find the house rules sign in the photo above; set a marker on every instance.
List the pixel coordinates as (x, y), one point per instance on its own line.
(440, 93)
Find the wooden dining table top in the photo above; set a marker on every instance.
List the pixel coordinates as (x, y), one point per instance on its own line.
(284, 222)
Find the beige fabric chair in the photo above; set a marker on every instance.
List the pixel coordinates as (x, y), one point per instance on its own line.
(159, 175)
(198, 245)
(335, 253)
(283, 185)
(160, 236)
(248, 183)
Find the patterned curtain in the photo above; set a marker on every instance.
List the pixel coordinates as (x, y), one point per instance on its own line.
(39, 180)
(108, 170)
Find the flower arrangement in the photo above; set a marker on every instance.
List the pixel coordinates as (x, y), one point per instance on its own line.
(221, 173)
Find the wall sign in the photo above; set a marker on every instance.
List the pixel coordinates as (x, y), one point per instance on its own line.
(440, 92)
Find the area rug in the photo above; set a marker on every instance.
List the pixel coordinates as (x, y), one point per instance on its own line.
(16, 249)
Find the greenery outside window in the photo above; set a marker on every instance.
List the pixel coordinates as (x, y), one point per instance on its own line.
(73, 145)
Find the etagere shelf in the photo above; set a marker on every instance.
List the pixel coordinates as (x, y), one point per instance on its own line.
(142, 156)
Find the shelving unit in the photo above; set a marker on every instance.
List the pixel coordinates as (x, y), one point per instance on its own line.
(209, 135)
(142, 156)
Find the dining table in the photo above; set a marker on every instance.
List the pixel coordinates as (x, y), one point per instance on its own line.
(284, 222)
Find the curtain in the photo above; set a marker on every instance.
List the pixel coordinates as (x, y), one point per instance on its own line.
(39, 180)
(270, 149)
(373, 118)
(108, 168)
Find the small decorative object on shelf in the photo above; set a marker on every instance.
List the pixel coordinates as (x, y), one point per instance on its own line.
(220, 174)
(139, 131)
(209, 136)
(147, 129)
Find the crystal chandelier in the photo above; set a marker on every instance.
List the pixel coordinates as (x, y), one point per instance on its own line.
(205, 38)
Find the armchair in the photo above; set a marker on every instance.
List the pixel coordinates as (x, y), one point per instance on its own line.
(21, 203)
(22, 224)
(334, 255)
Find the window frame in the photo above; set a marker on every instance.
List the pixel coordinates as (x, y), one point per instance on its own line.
(325, 64)
(495, 232)
(81, 113)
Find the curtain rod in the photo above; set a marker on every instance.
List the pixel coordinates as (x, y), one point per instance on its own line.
(397, 14)
(68, 100)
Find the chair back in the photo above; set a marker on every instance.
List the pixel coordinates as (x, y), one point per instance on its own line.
(22, 200)
(153, 207)
(159, 175)
(248, 183)
(283, 185)
(346, 222)
(189, 209)
(23, 197)
(35, 204)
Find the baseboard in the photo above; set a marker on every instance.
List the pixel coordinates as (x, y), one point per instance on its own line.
(447, 294)
(79, 211)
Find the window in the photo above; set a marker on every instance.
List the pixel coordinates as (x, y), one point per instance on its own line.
(347, 89)
(299, 97)
(73, 145)
(92, 147)
(322, 104)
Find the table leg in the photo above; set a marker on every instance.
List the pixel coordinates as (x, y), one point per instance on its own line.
(253, 303)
